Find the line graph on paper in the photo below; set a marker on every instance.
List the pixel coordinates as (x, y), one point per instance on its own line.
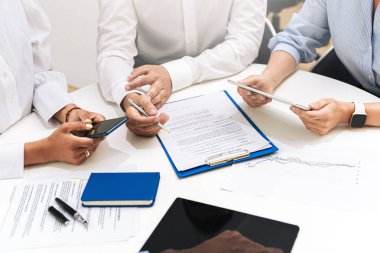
(330, 179)
(329, 168)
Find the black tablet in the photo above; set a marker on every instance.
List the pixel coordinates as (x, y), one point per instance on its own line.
(188, 224)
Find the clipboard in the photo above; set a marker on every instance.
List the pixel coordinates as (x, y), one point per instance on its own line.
(224, 159)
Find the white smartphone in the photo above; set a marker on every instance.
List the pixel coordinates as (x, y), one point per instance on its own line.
(283, 100)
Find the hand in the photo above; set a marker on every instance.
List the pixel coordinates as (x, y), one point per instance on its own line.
(325, 115)
(62, 146)
(261, 82)
(139, 124)
(158, 78)
(84, 116)
(228, 242)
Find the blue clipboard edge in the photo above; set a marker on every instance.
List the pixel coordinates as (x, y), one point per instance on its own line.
(204, 168)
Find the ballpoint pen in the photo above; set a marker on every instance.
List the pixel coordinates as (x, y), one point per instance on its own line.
(57, 214)
(71, 211)
(141, 110)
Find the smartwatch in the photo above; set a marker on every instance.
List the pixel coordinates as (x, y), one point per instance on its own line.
(359, 116)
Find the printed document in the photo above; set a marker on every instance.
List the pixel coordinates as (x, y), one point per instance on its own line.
(335, 180)
(28, 224)
(207, 126)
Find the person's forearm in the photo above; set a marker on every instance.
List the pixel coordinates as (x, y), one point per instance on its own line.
(373, 114)
(372, 110)
(36, 152)
(281, 65)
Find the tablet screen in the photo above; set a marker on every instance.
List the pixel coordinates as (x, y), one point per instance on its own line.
(188, 224)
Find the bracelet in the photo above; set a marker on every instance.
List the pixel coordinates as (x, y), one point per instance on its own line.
(69, 112)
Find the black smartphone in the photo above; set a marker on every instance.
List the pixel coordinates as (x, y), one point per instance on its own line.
(102, 128)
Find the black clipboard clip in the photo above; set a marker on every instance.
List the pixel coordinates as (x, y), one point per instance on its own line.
(226, 157)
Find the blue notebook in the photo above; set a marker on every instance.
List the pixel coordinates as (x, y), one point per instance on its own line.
(121, 189)
(206, 167)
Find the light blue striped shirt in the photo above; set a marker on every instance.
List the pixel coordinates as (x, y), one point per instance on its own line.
(349, 24)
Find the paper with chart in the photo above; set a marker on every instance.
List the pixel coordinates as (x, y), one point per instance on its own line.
(326, 179)
(206, 126)
(29, 225)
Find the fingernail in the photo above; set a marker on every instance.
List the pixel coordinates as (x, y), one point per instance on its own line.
(127, 87)
(88, 126)
(156, 120)
(153, 111)
(88, 121)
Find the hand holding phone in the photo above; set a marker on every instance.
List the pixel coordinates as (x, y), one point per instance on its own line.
(102, 128)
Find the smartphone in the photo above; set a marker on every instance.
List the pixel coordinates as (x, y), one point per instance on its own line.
(102, 128)
(283, 100)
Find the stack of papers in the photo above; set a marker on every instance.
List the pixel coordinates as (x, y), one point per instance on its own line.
(28, 224)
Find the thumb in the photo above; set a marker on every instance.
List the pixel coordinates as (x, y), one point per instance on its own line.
(251, 80)
(320, 104)
(74, 127)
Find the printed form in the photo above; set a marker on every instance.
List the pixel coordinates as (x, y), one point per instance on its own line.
(28, 224)
(206, 126)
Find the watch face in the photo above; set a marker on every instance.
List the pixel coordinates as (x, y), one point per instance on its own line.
(358, 120)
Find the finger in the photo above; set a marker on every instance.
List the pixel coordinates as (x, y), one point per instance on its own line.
(147, 131)
(86, 143)
(309, 115)
(250, 80)
(147, 105)
(256, 103)
(84, 155)
(275, 250)
(143, 70)
(258, 97)
(320, 104)
(71, 127)
(136, 119)
(97, 117)
(243, 92)
(138, 82)
(163, 118)
(161, 96)
(155, 89)
(252, 103)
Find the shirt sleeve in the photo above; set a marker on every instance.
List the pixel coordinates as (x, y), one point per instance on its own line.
(50, 87)
(11, 160)
(307, 31)
(239, 49)
(116, 48)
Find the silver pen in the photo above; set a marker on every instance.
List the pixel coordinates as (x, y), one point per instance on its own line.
(141, 110)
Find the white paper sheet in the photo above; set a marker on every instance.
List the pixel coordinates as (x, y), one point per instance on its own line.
(334, 180)
(28, 224)
(205, 126)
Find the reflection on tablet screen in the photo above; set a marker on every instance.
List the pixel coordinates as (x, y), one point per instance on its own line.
(199, 227)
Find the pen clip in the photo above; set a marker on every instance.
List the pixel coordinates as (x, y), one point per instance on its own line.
(226, 157)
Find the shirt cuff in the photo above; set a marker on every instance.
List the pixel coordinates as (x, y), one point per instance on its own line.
(289, 49)
(180, 73)
(49, 99)
(11, 160)
(118, 91)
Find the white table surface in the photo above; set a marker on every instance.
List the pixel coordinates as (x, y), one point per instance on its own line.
(322, 229)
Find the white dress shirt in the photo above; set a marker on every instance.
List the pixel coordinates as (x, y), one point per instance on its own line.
(26, 78)
(195, 40)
